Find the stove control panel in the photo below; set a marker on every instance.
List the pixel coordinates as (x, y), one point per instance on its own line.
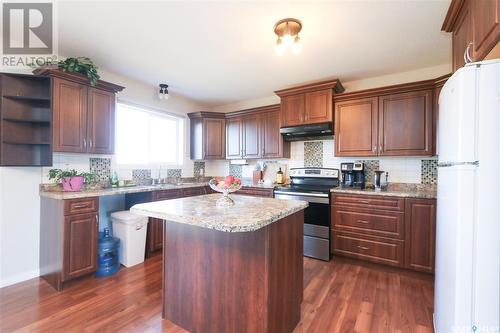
(314, 172)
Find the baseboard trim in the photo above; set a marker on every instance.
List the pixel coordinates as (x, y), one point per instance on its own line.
(19, 278)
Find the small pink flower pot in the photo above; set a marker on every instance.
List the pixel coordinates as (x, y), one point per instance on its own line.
(72, 184)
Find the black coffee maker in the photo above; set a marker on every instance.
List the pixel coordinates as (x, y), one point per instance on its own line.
(353, 174)
(347, 174)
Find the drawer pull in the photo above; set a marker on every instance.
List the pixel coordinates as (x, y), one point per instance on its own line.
(80, 206)
(363, 247)
(364, 201)
(363, 221)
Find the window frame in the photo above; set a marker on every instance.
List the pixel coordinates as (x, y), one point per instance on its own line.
(180, 128)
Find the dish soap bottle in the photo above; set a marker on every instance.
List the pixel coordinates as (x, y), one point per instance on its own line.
(114, 180)
(280, 178)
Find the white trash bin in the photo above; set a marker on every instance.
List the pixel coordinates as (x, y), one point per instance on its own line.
(131, 229)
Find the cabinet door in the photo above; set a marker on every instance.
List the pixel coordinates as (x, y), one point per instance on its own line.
(356, 124)
(252, 136)
(485, 20)
(234, 144)
(214, 139)
(70, 116)
(292, 110)
(101, 122)
(154, 236)
(405, 124)
(80, 245)
(318, 107)
(272, 141)
(462, 36)
(420, 242)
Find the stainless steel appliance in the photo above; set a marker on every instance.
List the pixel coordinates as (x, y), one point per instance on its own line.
(307, 132)
(347, 174)
(353, 174)
(313, 185)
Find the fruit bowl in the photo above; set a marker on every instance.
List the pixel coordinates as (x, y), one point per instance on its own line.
(225, 186)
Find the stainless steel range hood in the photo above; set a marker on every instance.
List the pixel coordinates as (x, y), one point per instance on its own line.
(307, 132)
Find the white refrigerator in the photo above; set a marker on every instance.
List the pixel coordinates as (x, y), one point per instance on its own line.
(467, 275)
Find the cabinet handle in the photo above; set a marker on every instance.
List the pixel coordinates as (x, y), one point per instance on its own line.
(363, 221)
(364, 201)
(90, 143)
(263, 151)
(80, 206)
(467, 57)
(374, 148)
(97, 220)
(363, 247)
(84, 143)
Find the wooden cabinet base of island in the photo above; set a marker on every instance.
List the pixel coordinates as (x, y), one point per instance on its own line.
(389, 230)
(68, 239)
(234, 281)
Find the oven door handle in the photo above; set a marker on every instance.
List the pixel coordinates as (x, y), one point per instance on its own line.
(312, 199)
(304, 194)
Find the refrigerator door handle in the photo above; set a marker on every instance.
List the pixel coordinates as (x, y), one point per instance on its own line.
(450, 164)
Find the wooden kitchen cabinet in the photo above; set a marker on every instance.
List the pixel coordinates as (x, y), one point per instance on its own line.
(69, 231)
(405, 124)
(70, 116)
(389, 230)
(251, 132)
(356, 127)
(208, 136)
(154, 238)
(396, 120)
(101, 121)
(234, 138)
(475, 29)
(309, 104)
(273, 145)
(80, 245)
(84, 116)
(420, 242)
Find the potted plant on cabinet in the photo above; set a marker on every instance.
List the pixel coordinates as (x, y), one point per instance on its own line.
(71, 180)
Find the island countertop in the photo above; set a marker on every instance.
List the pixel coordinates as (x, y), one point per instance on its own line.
(248, 213)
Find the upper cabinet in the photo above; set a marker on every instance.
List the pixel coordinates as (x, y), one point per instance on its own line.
(309, 104)
(475, 29)
(389, 121)
(255, 133)
(208, 135)
(84, 116)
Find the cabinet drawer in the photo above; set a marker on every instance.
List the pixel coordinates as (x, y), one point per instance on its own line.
(381, 250)
(79, 206)
(192, 191)
(258, 192)
(370, 201)
(369, 221)
(165, 195)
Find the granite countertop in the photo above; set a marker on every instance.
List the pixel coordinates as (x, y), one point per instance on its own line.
(395, 190)
(247, 214)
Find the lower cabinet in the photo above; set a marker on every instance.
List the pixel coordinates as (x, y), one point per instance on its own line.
(389, 230)
(69, 231)
(154, 238)
(420, 240)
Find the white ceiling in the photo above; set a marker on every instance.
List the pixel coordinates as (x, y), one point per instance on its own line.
(222, 52)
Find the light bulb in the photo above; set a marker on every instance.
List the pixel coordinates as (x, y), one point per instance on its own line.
(280, 48)
(296, 47)
(287, 39)
(165, 96)
(160, 95)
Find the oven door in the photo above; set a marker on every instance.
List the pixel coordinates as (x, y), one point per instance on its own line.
(316, 222)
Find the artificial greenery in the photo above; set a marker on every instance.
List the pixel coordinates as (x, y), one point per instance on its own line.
(82, 65)
(59, 174)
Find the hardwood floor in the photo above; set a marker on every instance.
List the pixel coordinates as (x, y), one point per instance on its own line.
(340, 296)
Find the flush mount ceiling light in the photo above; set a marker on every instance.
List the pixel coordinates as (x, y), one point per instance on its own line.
(163, 93)
(287, 31)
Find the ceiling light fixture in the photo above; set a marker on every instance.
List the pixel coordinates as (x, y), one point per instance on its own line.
(287, 31)
(163, 93)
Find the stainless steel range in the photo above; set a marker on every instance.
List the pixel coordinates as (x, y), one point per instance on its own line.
(313, 185)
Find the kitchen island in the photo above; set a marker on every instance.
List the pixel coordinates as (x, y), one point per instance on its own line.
(235, 269)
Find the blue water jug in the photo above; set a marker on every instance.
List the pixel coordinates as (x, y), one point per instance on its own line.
(108, 255)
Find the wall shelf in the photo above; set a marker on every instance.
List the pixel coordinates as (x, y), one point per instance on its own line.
(25, 120)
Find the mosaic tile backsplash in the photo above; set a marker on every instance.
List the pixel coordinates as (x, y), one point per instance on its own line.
(236, 170)
(429, 171)
(370, 167)
(174, 173)
(199, 169)
(101, 167)
(313, 154)
(140, 174)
